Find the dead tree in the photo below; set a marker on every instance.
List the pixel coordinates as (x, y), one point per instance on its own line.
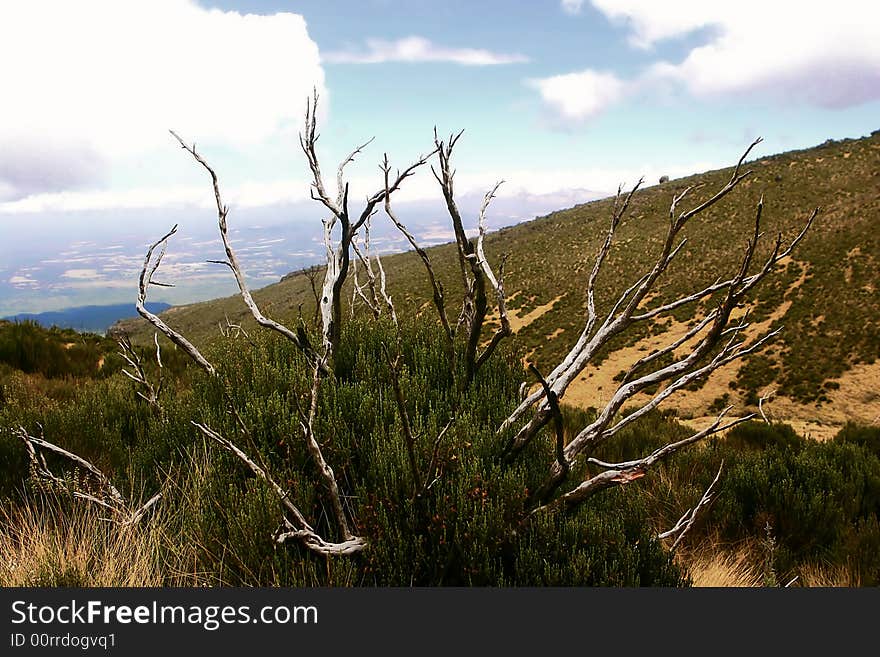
(711, 343)
(295, 526)
(338, 253)
(476, 273)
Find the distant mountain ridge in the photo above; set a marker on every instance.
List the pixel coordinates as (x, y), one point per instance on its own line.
(88, 319)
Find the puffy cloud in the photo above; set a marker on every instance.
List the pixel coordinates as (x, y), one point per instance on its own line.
(650, 22)
(823, 54)
(89, 83)
(572, 6)
(578, 97)
(419, 49)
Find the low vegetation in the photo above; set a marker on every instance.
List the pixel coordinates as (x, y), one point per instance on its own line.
(816, 503)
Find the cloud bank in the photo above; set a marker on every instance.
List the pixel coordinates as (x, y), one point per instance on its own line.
(419, 49)
(817, 53)
(89, 83)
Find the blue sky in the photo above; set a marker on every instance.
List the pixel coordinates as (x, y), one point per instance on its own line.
(562, 99)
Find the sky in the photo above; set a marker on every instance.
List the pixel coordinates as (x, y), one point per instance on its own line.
(562, 99)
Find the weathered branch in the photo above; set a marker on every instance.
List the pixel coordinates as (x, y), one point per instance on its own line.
(144, 282)
(295, 524)
(232, 259)
(307, 422)
(684, 524)
(761, 405)
(436, 285)
(552, 399)
(622, 316)
(138, 374)
(108, 496)
(616, 474)
(497, 284)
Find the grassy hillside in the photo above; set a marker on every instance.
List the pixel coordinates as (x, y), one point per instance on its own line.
(824, 366)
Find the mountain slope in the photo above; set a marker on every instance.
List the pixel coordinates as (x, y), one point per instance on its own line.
(823, 368)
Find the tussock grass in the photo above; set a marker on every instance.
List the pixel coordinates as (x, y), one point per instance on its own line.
(814, 575)
(714, 566)
(717, 568)
(53, 543)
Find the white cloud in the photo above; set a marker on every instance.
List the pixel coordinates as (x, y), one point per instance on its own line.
(817, 53)
(81, 274)
(89, 83)
(821, 53)
(572, 6)
(419, 49)
(578, 97)
(23, 281)
(250, 194)
(650, 22)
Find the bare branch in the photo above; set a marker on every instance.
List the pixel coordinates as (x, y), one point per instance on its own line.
(151, 392)
(436, 286)
(761, 405)
(232, 259)
(107, 496)
(298, 528)
(622, 315)
(144, 282)
(497, 283)
(561, 461)
(329, 478)
(623, 473)
(684, 524)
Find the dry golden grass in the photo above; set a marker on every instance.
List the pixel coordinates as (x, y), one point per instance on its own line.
(714, 566)
(725, 569)
(826, 576)
(46, 544)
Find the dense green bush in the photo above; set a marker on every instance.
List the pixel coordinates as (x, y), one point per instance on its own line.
(761, 435)
(821, 501)
(867, 437)
(466, 529)
(55, 352)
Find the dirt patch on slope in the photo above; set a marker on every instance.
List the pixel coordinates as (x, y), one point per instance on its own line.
(856, 399)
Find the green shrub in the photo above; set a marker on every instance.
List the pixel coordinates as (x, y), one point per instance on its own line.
(821, 500)
(756, 434)
(867, 437)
